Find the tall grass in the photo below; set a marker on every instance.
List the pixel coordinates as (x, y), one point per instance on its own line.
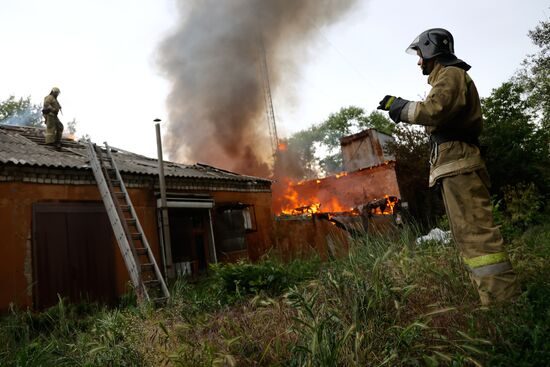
(384, 305)
(521, 332)
(387, 303)
(66, 335)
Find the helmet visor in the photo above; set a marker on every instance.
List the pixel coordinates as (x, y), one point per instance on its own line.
(413, 47)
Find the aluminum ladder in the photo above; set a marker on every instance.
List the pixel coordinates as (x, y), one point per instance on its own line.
(139, 259)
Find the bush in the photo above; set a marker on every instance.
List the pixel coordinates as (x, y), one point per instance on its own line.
(520, 208)
(523, 335)
(523, 204)
(269, 276)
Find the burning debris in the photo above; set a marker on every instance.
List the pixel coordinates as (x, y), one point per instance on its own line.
(352, 201)
(373, 183)
(384, 206)
(307, 209)
(322, 213)
(216, 106)
(296, 199)
(339, 193)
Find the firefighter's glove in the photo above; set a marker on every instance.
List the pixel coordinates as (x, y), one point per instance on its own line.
(394, 105)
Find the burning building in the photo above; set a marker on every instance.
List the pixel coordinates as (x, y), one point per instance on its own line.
(57, 238)
(366, 195)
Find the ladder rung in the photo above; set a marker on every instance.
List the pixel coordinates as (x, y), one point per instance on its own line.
(159, 300)
(131, 222)
(120, 195)
(147, 267)
(125, 208)
(141, 251)
(136, 236)
(153, 282)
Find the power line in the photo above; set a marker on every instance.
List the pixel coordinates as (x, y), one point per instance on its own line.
(341, 54)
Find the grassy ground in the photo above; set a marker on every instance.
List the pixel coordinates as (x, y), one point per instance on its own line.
(389, 303)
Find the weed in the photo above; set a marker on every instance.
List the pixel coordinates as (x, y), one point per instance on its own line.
(269, 276)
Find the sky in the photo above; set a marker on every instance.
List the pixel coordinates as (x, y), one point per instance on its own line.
(103, 56)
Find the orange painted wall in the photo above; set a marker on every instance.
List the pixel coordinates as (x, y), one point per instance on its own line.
(17, 198)
(303, 237)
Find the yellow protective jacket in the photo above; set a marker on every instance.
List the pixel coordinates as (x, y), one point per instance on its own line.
(452, 109)
(51, 105)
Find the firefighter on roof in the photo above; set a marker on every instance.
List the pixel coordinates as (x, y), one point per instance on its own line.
(54, 127)
(452, 116)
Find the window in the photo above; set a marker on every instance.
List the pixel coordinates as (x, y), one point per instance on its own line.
(233, 221)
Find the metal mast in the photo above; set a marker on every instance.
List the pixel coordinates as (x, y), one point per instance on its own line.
(274, 138)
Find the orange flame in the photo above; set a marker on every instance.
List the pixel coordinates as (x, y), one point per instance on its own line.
(294, 204)
(389, 207)
(69, 136)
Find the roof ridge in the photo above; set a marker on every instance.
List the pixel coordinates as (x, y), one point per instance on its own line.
(150, 158)
(204, 165)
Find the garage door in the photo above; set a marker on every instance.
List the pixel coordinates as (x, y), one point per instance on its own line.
(73, 253)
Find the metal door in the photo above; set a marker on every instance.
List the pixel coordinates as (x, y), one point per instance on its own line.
(73, 253)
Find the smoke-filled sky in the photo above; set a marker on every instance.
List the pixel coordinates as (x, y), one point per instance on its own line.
(120, 64)
(216, 105)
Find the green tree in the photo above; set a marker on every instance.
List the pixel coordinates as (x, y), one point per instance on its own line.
(535, 74)
(518, 149)
(20, 112)
(411, 150)
(318, 147)
(345, 122)
(380, 122)
(296, 157)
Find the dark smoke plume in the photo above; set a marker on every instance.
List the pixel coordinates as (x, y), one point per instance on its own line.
(216, 105)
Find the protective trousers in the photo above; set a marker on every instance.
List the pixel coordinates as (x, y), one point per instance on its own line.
(54, 129)
(469, 210)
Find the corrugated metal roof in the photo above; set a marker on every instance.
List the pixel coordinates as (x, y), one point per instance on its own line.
(24, 146)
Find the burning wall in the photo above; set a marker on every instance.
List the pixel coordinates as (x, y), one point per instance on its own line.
(338, 193)
(318, 216)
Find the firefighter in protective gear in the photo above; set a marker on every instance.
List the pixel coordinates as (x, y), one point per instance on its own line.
(452, 116)
(50, 109)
